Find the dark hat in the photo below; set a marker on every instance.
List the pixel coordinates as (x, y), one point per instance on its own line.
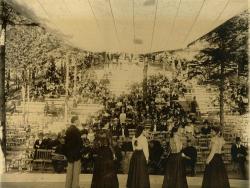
(217, 129)
(40, 134)
(74, 119)
(237, 139)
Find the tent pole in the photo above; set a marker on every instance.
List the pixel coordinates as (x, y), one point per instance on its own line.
(3, 23)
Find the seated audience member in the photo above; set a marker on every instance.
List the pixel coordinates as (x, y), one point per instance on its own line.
(206, 129)
(84, 129)
(239, 153)
(39, 143)
(191, 153)
(59, 162)
(118, 154)
(122, 117)
(127, 146)
(164, 157)
(86, 159)
(189, 129)
(91, 135)
(60, 147)
(155, 153)
(47, 141)
(54, 142)
(124, 131)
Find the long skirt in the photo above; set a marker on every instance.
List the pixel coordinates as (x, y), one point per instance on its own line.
(138, 176)
(215, 174)
(175, 175)
(104, 174)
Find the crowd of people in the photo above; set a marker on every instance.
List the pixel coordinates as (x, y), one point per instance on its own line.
(158, 107)
(160, 111)
(158, 152)
(107, 156)
(97, 148)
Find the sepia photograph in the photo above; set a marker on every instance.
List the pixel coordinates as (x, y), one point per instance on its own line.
(124, 94)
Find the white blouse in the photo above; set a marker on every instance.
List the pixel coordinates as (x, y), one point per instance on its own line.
(142, 144)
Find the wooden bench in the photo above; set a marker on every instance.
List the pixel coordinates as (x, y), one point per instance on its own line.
(42, 157)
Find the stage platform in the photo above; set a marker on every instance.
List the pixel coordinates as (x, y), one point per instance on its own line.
(45, 180)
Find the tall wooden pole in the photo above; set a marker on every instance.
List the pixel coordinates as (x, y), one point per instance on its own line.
(145, 78)
(222, 89)
(3, 23)
(67, 90)
(75, 77)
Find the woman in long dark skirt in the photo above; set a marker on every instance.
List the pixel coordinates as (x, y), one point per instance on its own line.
(105, 172)
(138, 176)
(215, 174)
(175, 175)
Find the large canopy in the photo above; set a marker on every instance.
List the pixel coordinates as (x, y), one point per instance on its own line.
(133, 26)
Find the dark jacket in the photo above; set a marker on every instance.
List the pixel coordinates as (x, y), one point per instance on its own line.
(73, 144)
(235, 151)
(191, 152)
(42, 145)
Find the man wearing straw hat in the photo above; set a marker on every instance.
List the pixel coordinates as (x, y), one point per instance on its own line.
(73, 147)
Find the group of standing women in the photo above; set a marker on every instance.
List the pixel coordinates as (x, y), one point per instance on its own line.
(215, 175)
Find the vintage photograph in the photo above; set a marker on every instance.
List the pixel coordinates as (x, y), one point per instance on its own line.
(124, 94)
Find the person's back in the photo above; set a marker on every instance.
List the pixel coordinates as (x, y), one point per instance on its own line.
(217, 144)
(72, 150)
(73, 144)
(175, 145)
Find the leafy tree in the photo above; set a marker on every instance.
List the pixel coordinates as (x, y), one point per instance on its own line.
(226, 55)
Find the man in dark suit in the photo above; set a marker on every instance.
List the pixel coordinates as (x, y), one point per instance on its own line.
(73, 148)
(239, 153)
(191, 156)
(39, 143)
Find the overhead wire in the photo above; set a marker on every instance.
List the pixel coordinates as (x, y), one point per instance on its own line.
(46, 12)
(115, 26)
(95, 18)
(219, 16)
(194, 22)
(153, 31)
(174, 21)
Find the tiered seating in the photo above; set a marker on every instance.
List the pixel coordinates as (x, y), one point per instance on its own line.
(87, 108)
(202, 146)
(33, 107)
(203, 97)
(15, 137)
(57, 102)
(131, 132)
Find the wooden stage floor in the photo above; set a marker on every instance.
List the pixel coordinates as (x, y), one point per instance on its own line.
(46, 180)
